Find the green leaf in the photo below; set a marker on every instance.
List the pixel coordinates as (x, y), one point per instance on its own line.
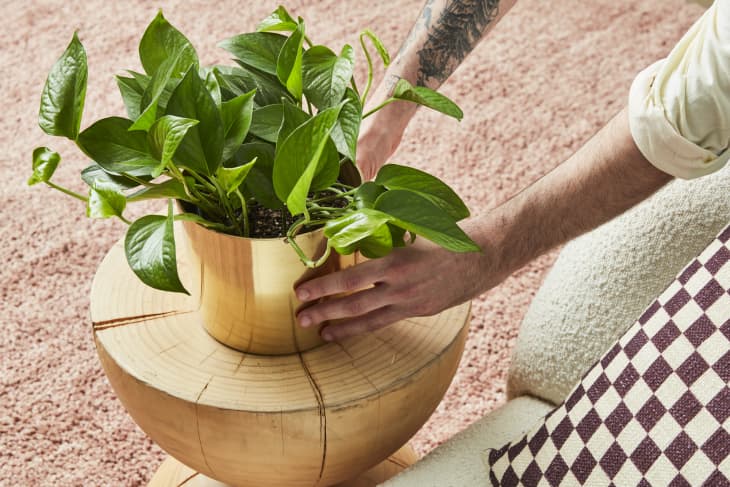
(161, 41)
(259, 182)
(153, 92)
(293, 118)
(231, 178)
(150, 249)
(111, 145)
(289, 62)
(62, 100)
(393, 176)
(326, 75)
(256, 49)
(382, 51)
(420, 216)
(104, 202)
(165, 137)
(212, 85)
(202, 148)
(131, 91)
(95, 176)
(45, 162)
(345, 233)
(366, 195)
(347, 129)
(298, 157)
(236, 114)
(172, 188)
(279, 20)
(266, 122)
(427, 97)
(377, 245)
(240, 80)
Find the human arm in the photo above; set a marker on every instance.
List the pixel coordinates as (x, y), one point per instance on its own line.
(445, 32)
(607, 176)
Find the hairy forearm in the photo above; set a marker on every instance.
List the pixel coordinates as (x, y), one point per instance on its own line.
(606, 177)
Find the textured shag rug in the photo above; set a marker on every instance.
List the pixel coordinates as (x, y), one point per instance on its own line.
(548, 77)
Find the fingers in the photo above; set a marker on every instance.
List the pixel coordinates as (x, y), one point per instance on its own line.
(362, 324)
(349, 306)
(347, 280)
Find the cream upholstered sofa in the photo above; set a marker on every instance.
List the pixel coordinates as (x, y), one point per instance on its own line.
(597, 288)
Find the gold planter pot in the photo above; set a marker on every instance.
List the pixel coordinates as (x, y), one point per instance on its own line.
(247, 298)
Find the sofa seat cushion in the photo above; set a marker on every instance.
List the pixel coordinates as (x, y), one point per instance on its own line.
(458, 462)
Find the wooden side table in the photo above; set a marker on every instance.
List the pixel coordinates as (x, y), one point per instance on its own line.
(320, 417)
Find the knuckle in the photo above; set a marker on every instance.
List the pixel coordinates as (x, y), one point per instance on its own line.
(354, 308)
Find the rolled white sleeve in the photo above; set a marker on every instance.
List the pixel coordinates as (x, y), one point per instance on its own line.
(679, 107)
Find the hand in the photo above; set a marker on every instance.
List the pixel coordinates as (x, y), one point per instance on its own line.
(419, 280)
(378, 141)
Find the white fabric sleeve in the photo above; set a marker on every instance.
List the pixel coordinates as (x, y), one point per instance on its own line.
(679, 107)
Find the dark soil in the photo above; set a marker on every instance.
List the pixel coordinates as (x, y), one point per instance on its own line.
(267, 223)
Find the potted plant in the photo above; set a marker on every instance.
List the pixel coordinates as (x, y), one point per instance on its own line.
(255, 154)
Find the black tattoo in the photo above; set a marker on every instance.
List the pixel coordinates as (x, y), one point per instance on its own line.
(460, 27)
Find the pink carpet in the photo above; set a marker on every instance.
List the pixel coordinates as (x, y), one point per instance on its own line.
(547, 78)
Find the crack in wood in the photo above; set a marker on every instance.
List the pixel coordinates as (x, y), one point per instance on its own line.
(181, 484)
(240, 363)
(197, 425)
(396, 462)
(322, 415)
(130, 320)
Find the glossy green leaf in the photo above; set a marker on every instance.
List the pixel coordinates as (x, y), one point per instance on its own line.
(259, 181)
(131, 91)
(202, 147)
(111, 145)
(298, 157)
(237, 81)
(420, 216)
(382, 51)
(165, 137)
(172, 188)
(347, 129)
(396, 235)
(377, 245)
(231, 178)
(150, 249)
(236, 114)
(326, 75)
(293, 117)
(161, 41)
(427, 97)
(366, 194)
(256, 49)
(279, 20)
(153, 92)
(45, 162)
(393, 176)
(105, 202)
(62, 100)
(289, 62)
(212, 85)
(346, 232)
(266, 122)
(95, 176)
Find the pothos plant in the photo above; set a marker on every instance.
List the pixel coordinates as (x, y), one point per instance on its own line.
(274, 135)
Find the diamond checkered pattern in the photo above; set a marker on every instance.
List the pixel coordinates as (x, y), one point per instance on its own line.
(655, 409)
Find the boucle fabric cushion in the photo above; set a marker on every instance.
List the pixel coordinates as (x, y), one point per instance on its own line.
(458, 461)
(603, 280)
(655, 409)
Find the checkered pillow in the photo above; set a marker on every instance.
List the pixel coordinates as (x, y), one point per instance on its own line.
(655, 409)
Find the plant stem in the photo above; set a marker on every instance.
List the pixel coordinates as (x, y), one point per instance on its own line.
(67, 191)
(291, 239)
(386, 102)
(370, 69)
(139, 181)
(202, 181)
(124, 219)
(244, 212)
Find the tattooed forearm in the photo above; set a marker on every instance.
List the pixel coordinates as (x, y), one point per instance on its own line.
(459, 28)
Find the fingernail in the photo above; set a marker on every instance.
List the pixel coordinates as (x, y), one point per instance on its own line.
(305, 321)
(302, 294)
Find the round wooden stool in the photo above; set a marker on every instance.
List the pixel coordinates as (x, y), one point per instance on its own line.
(320, 417)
